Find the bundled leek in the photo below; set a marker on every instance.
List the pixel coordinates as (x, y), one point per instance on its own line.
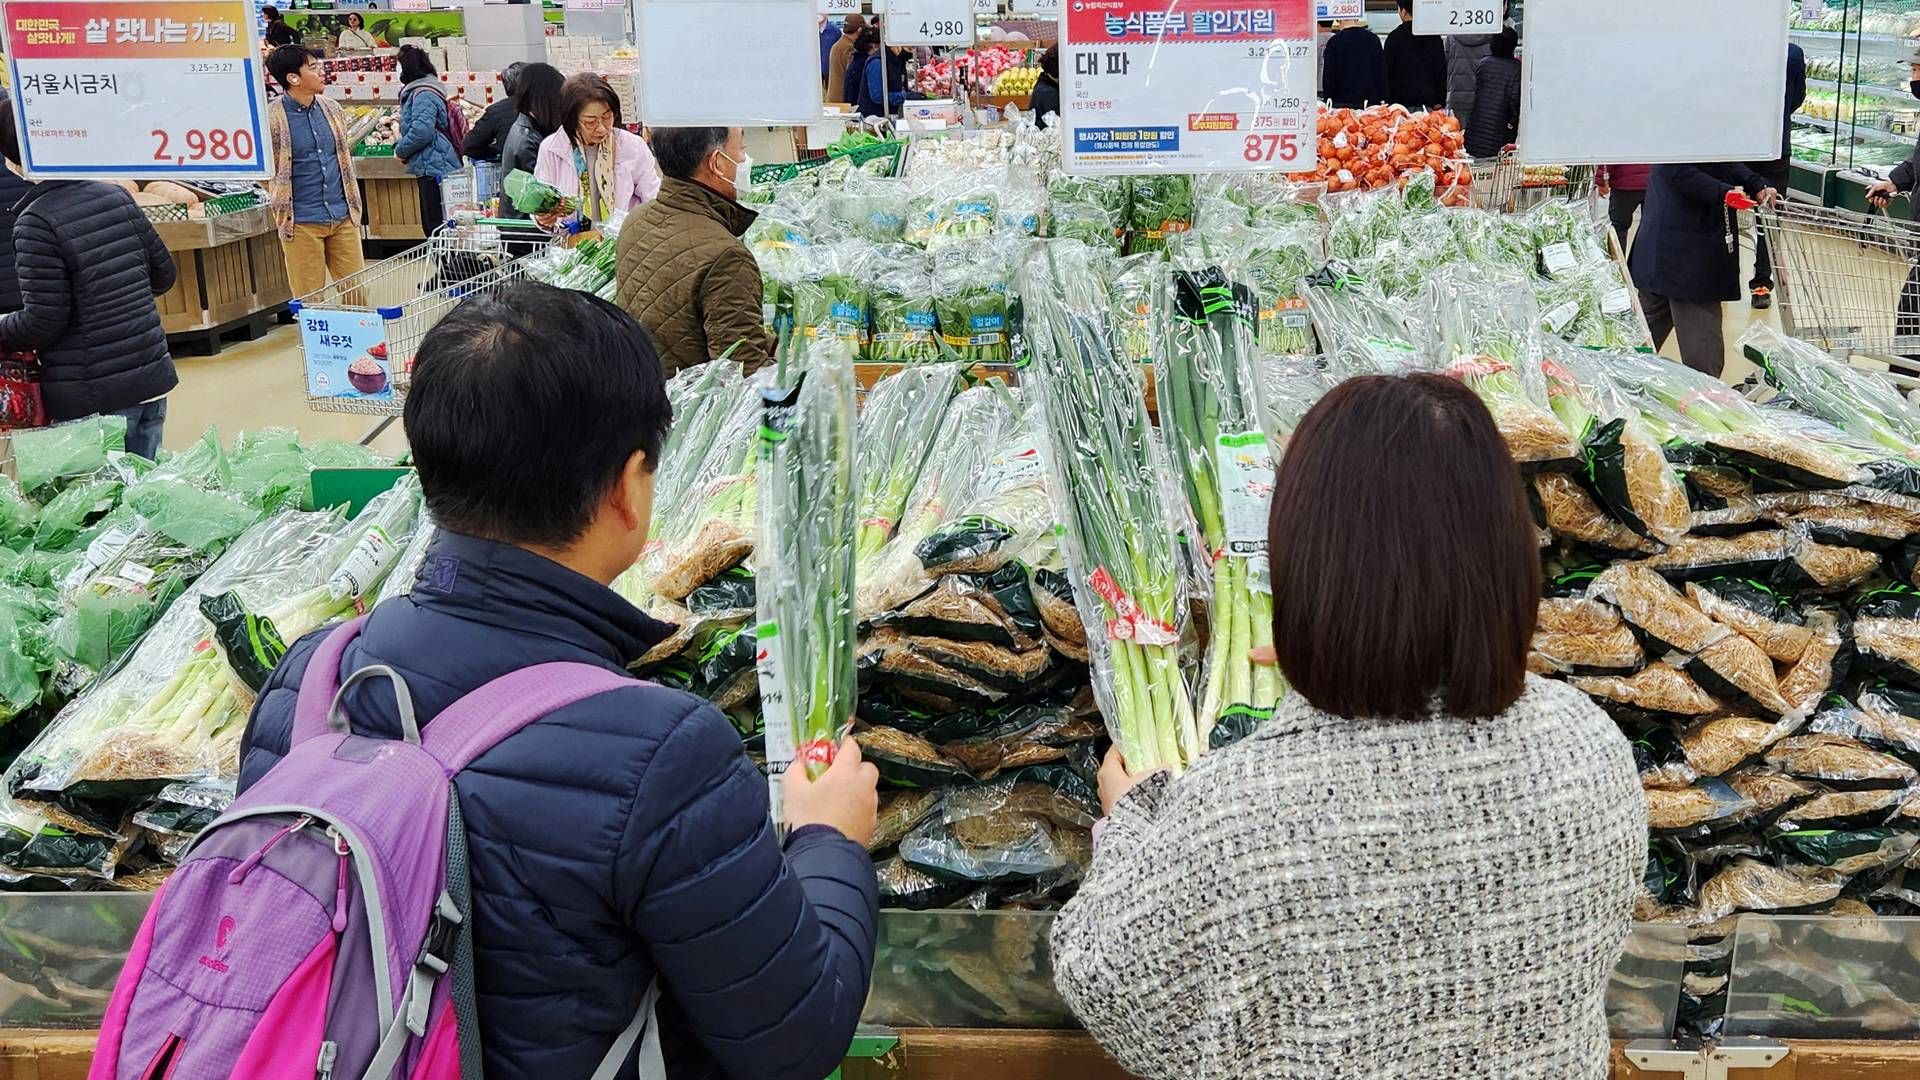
(805, 558)
(1210, 411)
(897, 428)
(1121, 539)
(1858, 402)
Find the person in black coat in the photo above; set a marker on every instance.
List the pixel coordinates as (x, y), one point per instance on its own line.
(1686, 257)
(277, 33)
(1046, 91)
(1494, 123)
(1778, 173)
(487, 137)
(13, 187)
(1416, 65)
(1353, 68)
(89, 266)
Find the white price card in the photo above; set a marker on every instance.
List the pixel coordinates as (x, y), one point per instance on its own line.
(930, 22)
(115, 89)
(986, 7)
(1046, 9)
(839, 7)
(777, 40)
(1434, 17)
(1340, 9)
(1188, 86)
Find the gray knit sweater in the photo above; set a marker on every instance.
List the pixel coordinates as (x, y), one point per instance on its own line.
(1332, 899)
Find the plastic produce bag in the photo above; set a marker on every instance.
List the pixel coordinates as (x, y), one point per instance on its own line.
(804, 561)
(1858, 401)
(970, 299)
(1008, 511)
(897, 428)
(1886, 632)
(400, 580)
(1138, 287)
(833, 298)
(1486, 341)
(1623, 462)
(905, 329)
(1110, 490)
(171, 711)
(1278, 260)
(126, 579)
(1161, 206)
(530, 196)
(43, 456)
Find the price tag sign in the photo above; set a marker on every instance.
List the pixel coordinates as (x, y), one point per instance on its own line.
(839, 7)
(986, 7)
(1046, 9)
(1340, 9)
(1433, 17)
(1188, 86)
(114, 89)
(346, 354)
(930, 22)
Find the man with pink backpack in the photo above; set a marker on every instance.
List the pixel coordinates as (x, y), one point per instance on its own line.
(466, 838)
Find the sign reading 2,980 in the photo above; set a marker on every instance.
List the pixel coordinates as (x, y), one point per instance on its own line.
(116, 89)
(1188, 86)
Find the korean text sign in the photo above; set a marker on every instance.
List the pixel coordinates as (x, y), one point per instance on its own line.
(346, 354)
(113, 89)
(1188, 86)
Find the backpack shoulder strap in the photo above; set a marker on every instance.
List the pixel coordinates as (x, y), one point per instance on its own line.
(473, 725)
(322, 682)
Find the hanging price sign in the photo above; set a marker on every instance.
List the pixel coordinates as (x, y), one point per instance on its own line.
(1434, 17)
(1188, 86)
(986, 7)
(839, 7)
(1340, 9)
(113, 89)
(930, 22)
(1046, 9)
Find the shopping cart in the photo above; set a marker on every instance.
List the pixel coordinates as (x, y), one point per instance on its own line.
(358, 335)
(1848, 282)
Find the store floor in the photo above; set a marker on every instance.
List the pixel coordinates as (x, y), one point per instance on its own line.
(259, 384)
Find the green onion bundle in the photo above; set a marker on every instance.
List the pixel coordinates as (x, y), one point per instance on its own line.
(1137, 289)
(1210, 410)
(805, 558)
(1121, 538)
(970, 298)
(897, 428)
(1856, 401)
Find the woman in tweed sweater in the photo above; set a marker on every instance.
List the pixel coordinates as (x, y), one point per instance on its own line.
(1422, 867)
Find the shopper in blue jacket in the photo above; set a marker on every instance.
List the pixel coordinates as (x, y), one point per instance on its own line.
(426, 141)
(625, 838)
(889, 62)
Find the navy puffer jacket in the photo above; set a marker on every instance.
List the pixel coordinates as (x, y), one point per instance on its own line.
(89, 265)
(619, 839)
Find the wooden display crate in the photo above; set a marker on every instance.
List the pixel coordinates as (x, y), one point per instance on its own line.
(391, 198)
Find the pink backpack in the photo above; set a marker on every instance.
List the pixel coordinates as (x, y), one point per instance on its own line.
(310, 931)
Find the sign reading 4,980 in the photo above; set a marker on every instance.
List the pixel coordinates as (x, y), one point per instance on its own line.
(117, 89)
(929, 22)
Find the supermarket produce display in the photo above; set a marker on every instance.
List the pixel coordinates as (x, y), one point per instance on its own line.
(1860, 111)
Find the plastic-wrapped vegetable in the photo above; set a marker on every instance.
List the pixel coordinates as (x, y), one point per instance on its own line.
(897, 427)
(1277, 261)
(905, 329)
(833, 297)
(1853, 399)
(970, 297)
(1209, 393)
(1161, 206)
(125, 580)
(1624, 464)
(956, 464)
(1007, 512)
(805, 562)
(172, 709)
(1090, 209)
(1137, 286)
(1110, 490)
(1363, 332)
(1486, 341)
(42, 456)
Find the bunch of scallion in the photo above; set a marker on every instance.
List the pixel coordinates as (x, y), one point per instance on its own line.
(804, 557)
(897, 429)
(1121, 539)
(1208, 380)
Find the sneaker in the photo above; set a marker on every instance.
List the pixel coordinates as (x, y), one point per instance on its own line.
(1762, 297)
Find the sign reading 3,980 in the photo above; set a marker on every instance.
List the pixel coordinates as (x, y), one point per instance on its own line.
(1188, 86)
(115, 89)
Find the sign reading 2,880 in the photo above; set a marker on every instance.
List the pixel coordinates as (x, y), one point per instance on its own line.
(1188, 86)
(930, 22)
(90, 75)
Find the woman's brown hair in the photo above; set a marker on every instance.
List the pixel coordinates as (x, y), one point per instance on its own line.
(1405, 568)
(582, 90)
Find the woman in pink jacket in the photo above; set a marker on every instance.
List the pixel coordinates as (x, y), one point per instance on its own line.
(603, 167)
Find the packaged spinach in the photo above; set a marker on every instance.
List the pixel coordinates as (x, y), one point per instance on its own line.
(905, 329)
(970, 284)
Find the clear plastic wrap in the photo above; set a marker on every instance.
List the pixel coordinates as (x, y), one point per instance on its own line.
(44, 456)
(1858, 401)
(1751, 885)
(709, 525)
(1656, 688)
(1770, 620)
(1278, 260)
(966, 209)
(400, 580)
(970, 286)
(973, 427)
(1486, 340)
(898, 424)
(1138, 286)
(125, 580)
(804, 559)
(1003, 831)
(1570, 513)
(173, 710)
(1111, 491)
(1624, 463)
(1826, 661)
(1207, 375)
(1362, 330)
(1718, 746)
(1656, 608)
(1840, 761)
(1008, 511)
(1702, 803)
(833, 298)
(905, 328)
(869, 208)
(1886, 632)
(1160, 207)
(1289, 388)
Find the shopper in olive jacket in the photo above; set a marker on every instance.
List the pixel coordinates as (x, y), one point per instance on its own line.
(89, 266)
(682, 269)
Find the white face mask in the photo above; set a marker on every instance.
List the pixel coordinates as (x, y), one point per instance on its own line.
(742, 173)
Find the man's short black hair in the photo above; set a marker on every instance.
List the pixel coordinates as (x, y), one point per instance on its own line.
(1505, 43)
(526, 406)
(284, 62)
(679, 151)
(1406, 5)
